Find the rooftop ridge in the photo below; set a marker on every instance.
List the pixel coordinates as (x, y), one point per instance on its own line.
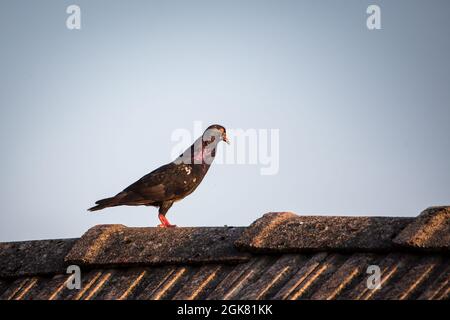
(298, 233)
(117, 245)
(273, 233)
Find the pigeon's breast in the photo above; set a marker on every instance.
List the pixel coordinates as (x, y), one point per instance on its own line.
(187, 179)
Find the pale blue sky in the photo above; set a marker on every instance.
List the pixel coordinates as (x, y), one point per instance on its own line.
(363, 115)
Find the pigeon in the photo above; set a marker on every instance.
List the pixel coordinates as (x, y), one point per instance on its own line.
(173, 181)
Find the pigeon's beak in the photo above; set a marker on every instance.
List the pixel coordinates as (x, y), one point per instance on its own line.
(225, 138)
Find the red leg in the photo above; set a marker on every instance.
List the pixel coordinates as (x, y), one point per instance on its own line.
(164, 222)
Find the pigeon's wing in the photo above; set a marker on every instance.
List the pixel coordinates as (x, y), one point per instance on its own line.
(163, 184)
(151, 186)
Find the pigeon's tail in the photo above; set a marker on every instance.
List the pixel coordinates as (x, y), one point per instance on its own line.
(104, 203)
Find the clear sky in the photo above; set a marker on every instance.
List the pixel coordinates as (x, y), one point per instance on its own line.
(363, 116)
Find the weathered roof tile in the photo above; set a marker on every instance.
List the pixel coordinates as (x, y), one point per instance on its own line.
(33, 257)
(286, 232)
(414, 278)
(291, 257)
(439, 288)
(276, 275)
(429, 231)
(350, 271)
(233, 285)
(117, 245)
(204, 279)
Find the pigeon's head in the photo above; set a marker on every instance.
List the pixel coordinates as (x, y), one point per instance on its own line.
(215, 133)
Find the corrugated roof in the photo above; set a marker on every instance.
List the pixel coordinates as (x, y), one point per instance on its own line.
(268, 260)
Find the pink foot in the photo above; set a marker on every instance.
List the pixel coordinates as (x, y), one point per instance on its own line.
(164, 222)
(166, 225)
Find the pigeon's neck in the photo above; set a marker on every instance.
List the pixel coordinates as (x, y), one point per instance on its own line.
(200, 152)
(205, 154)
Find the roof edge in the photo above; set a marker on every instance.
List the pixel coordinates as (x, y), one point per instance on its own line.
(117, 245)
(36, 257)
(430, 231)
(273, 233)
(287, 232)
